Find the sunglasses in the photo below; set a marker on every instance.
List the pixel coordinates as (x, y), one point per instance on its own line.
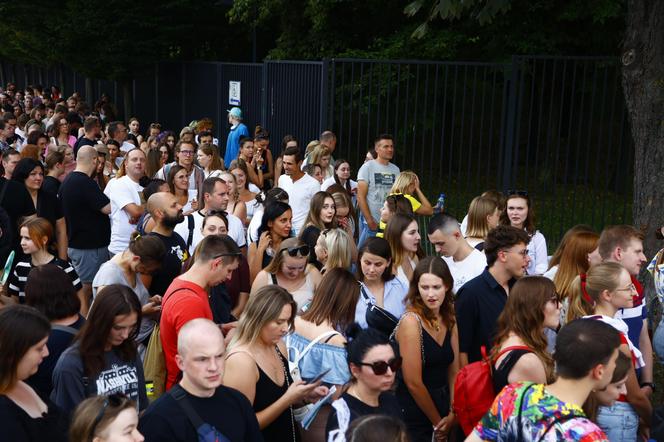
(114, 400)
(293, 251)
(380, 367)
(517, 192)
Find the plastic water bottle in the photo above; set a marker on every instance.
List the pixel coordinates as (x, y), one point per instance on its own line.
(440, 204)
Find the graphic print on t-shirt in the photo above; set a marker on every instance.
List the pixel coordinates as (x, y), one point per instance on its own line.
(384, 179)
(181, 254)
(117, 379)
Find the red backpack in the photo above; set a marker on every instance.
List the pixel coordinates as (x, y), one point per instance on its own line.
(473, 389)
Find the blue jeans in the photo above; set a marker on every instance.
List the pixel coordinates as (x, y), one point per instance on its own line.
(658, 341)
(620, 422)
(365, 231)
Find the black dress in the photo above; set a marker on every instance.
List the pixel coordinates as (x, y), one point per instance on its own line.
(502, 372)
(18, 426)
(437, 359)
(283, 428)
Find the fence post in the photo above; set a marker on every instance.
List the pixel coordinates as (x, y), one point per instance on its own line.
(264, 101)
(510, 124)
(323, 96)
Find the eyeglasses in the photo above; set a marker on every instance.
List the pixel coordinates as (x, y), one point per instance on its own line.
(629, 288)
(187, 152)
(155, 126)
(380, 367)
(523, 253)
(114, 400)
(517, 192)
(293, 251)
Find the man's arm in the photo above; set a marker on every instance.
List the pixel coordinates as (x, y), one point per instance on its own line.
(362, 191)
(465, 325)
(646, 350)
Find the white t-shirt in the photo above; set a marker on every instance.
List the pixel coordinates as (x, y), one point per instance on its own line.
(121, 191)
(127, 146)
(330, 182)
(464, 271)
(235, 230)
(299, 197)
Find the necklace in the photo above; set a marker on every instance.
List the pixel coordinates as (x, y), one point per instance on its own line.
(290, 406)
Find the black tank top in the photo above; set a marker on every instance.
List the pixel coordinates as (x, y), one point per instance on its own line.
(501, 373)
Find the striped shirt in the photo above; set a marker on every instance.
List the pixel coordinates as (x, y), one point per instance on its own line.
(18, 278)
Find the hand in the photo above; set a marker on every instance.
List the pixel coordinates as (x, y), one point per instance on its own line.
(151, 309)
(442, 429)
(264, 241)
(298, 391)
(156, 299)
(194, 205)
(225, 328)
(647, 391)
(134, 219)
(373, 225)
(259, 160)
(343, 222)
(318, 393)
(417, 183)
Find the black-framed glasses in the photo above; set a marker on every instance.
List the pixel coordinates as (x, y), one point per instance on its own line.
(517, 192)
(114, 400)
(293, 251)
(380, 367)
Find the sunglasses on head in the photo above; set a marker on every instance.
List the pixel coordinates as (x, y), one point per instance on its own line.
(517, 192)
(380, 367)
(114, 400)
(302, 250)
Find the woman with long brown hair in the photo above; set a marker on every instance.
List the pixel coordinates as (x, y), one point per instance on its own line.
(532, 306)
(103, 359)
(178, 183)
(403, 235)
(321, 216)
(429, 345)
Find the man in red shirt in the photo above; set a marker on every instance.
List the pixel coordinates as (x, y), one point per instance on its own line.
(187, 296)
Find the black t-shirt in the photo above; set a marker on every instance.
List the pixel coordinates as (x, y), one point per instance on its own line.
(48, 206)
(227, 410)
(18, 426)
(51, 185)
(83, 142)
(58, 340)
(387, 405)
(18, 204)
(82, 201)
(171, 266)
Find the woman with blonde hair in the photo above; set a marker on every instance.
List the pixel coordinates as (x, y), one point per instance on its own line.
(257, 367)
(335, 249)
(236, 206)
(403, 235)
(483, 215)
(346, 217)
(321, 155)
(408, 184)
(600, 294)
(290, 269)
(209, 159)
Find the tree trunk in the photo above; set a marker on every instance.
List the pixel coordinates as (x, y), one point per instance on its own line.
(643, 85)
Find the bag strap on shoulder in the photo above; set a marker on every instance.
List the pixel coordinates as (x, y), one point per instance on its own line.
(190, 226)
(180, 396)
(510, 348)
(64, 328)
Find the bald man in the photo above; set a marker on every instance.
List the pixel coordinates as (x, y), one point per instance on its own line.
(166, 212)
(200, 357)
(86, 211)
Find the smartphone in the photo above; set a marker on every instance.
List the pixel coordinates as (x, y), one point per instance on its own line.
(319, 376)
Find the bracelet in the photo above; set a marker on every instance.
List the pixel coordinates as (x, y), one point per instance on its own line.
(648, 384)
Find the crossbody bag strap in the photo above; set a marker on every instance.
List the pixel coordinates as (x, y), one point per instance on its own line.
(366, 297)
(180, 396)
(190, 225)
(393, 336)
(510, 348)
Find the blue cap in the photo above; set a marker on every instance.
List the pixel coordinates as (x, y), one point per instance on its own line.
(235, 112)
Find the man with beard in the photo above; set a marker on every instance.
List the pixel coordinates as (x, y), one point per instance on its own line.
(167, 213)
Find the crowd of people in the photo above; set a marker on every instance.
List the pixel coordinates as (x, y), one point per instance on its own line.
(170, 286)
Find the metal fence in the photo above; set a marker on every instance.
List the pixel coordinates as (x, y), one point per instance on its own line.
(554, 126)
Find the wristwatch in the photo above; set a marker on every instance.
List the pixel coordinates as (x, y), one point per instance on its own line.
(648, 384)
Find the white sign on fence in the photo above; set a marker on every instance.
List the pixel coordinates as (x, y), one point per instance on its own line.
(234, 93)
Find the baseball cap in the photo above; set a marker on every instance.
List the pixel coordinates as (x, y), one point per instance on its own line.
(235, 112)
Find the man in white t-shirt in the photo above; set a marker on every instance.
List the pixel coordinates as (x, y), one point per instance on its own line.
(300, 186)
(465, 262)
(126, 207)
(215, 198)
